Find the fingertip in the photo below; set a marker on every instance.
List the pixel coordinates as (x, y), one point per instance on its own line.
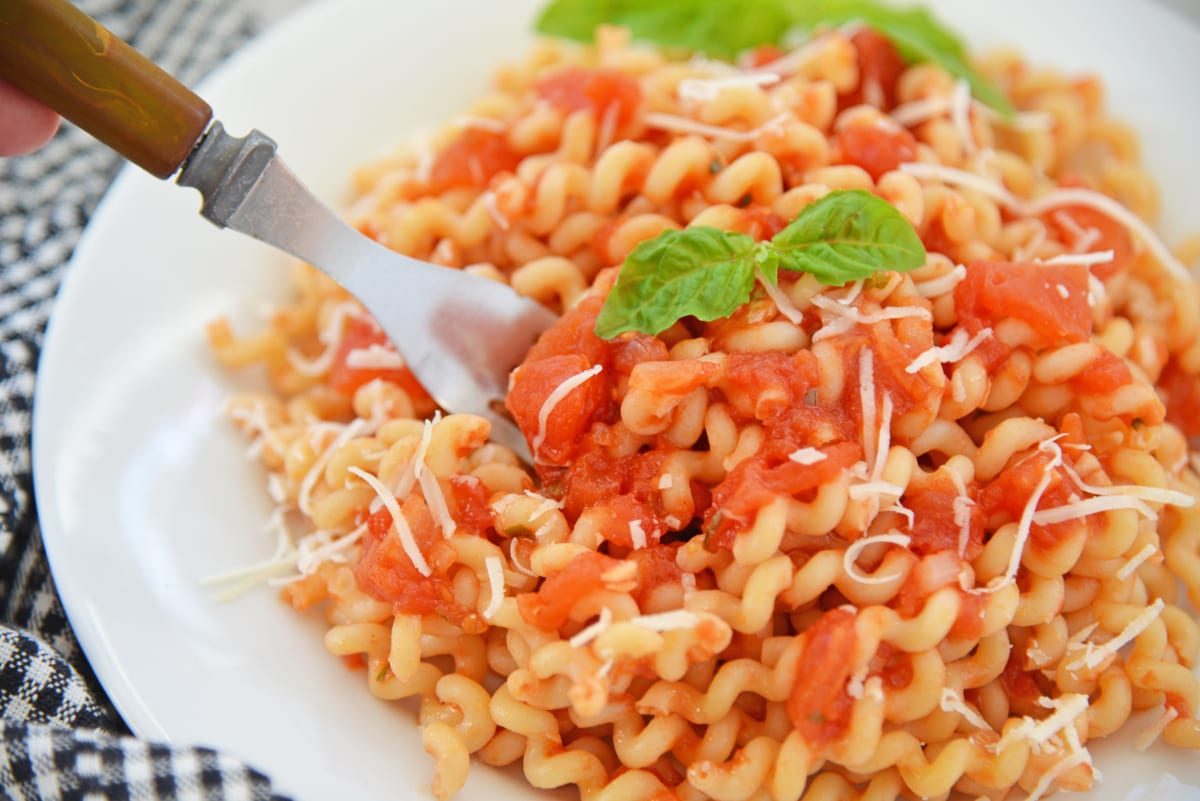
(25, 124)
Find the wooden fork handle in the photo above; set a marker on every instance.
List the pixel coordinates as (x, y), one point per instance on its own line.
(60, 56)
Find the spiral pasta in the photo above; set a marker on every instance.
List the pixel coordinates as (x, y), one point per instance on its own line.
(922, 534)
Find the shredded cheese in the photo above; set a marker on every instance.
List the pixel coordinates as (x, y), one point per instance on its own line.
(594, 630)
(952, 701)
(431, 488)
(399, 523)
(850, 558)
(866, 397)
(356, 428)
(1094, 655)
(807, 455)
(1134, 562)
(701, 89)
(375, 357)
(1088, 506)
(667, 621)
(955, 350)
(665, 481)
(1140, 492)
(960, 113)
(684, 125)
(1084, 259)
(1043, 784)
(495, 574)
(556, 397)
(935, 287)
(782, 302)
(1067, 708)
(873, 489)
(516, 563)
(1146, 738)
(1025, 524)
(637, 535)
(329, 336)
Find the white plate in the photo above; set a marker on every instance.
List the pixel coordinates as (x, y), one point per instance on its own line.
(143, 488)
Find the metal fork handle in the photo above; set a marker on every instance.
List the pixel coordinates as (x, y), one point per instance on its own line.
(63, 58)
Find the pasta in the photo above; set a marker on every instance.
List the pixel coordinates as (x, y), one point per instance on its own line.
(925, 533)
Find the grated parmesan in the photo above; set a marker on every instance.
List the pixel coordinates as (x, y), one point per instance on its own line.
(637, 535)
(958, 348)
(495, 574)
(952, 701)
(851, 556)
(807, 456)
(667, 621)
(375, 357)
(556, 397)
(782, 302)
(1083, 259)
(399, 523)
(1094, 655)
(685, 125)
(594, 630)
(1134, 562)
(1088, 506)
(701, 89)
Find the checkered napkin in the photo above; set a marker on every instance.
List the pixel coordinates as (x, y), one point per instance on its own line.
(60, 738)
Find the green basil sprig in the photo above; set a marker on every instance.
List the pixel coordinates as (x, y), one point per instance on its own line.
(725, 28)
(707, 273)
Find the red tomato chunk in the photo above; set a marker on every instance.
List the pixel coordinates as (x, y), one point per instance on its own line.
(597, 90)
(470, 161)
(1050, 298)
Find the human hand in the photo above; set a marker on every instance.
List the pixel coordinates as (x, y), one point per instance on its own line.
(25, 124)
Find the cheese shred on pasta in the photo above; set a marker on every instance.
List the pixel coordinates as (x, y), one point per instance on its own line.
(907, 537)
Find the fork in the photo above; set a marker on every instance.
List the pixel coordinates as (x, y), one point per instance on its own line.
(460, 334)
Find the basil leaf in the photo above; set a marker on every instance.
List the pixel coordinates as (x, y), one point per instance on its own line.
(721, 28)
(699, 272)
(846, 236)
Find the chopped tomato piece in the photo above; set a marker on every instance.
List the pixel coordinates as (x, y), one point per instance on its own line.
(876, 149)
(656, 568)
(879, 65)
(469, 503)
(362, 333)
(598, 90)
(470, 161)
(570, 416)
(550, 607)
(755, 482)
(1050, 298)
(616, 517)
(818, 705)
(1181, 391)
(764, 385)
(1105, 374)
(1005, 497)
(935, 527)
(1086, 229)
(386, 573)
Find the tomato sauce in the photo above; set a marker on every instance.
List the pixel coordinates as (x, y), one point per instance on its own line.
(934, 527)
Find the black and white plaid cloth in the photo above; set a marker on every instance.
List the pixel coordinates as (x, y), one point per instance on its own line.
(60, 738)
